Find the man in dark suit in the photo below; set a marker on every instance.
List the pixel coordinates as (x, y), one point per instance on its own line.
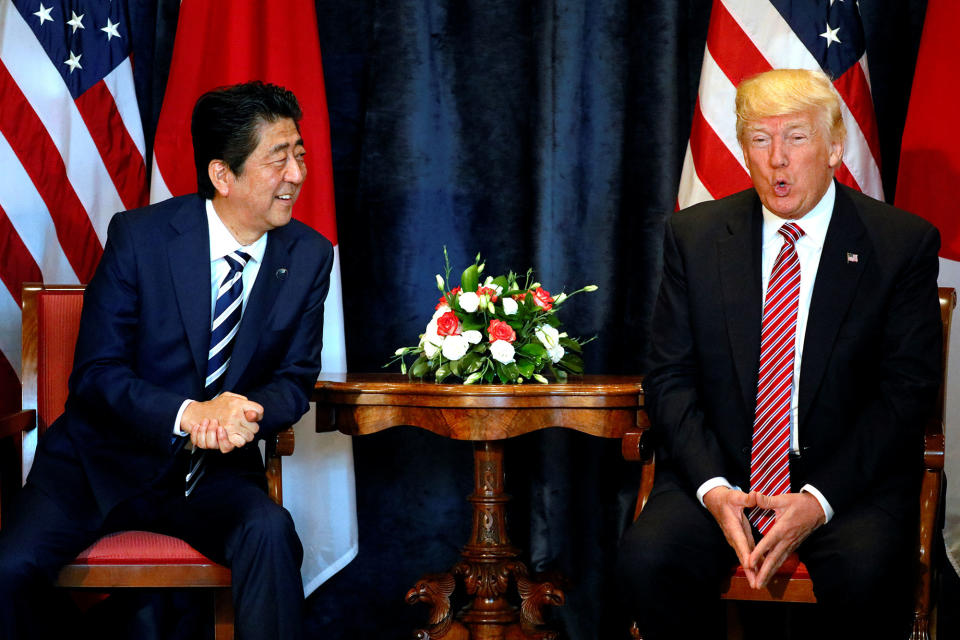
(795, 353)
(157, 392)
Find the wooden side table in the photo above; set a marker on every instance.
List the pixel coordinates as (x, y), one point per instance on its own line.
(603, 406)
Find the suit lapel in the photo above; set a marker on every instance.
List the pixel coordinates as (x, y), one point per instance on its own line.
(256, 315)
(833, 292)
(739, 265)
(189, 255)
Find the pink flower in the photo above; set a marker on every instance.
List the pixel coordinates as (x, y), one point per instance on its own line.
(448, 324)
(500, 330)
(541, 297)
(443, 298)
(490, 292)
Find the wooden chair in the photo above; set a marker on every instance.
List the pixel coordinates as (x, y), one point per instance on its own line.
(128, 559)
(792, 582)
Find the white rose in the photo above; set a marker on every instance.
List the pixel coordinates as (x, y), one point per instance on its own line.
(455, 347)
(502, 351)
(442, 309)
(473, 336)
(549, 337)
(431, 342)
(469, 301)
(509, 306)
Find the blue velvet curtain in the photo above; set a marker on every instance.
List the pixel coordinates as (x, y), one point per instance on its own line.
(540, 133)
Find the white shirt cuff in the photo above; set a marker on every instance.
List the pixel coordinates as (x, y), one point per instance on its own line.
(176, 425)
(713, 483)
(824, 504)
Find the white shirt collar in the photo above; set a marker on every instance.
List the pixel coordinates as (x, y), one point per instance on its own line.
(222, 241)
(814, 223)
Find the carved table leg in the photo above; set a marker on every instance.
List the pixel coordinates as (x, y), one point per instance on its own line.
(488, 562)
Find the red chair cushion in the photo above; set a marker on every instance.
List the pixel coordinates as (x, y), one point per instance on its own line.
(140, 547)
(791, 569)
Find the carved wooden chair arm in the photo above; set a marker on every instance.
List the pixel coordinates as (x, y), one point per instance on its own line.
(277, 446)
(637, 446)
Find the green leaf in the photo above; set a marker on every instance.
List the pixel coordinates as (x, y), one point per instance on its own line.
(534, 349)
(572, 362)
(455, 368)
(470, 279)
(512, 371)
(525, 367)
(472, 322)
(501, 281)
(441, 373)
(469, 363)
(420, 368)
(571, 345)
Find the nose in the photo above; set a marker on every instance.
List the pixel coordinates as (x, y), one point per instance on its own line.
(778, 153)
(295, 171)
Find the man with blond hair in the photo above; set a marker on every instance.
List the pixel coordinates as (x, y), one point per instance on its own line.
(795, 353)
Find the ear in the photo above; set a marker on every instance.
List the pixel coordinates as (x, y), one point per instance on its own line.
(836, 154)
(221, 176)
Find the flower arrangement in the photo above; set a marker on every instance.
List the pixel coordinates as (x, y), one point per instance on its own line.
(494, 329)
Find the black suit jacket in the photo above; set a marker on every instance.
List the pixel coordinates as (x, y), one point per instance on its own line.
(871, 361)
(143, 342)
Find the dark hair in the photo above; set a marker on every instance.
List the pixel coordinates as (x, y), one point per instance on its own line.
(225, 121)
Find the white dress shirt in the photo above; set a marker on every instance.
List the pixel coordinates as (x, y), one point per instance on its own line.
(809, 247)
(223, 243)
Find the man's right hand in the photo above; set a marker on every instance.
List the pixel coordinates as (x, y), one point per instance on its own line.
(727, 508)
(225, 423)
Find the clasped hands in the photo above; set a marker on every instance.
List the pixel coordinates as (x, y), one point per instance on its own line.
(797, 516)
(227, 422)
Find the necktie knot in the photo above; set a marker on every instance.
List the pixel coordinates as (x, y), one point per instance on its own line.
(791, 232)
(236, 260)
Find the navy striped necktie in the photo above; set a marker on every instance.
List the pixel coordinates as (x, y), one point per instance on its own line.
(226, 322)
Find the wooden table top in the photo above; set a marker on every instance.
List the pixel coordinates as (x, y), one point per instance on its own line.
(362, 403)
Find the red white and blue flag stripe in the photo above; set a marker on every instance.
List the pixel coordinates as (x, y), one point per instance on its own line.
(71, 149)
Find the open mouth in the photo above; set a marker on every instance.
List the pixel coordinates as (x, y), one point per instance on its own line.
(781, 188)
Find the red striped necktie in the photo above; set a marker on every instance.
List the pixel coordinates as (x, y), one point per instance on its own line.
(769, 462)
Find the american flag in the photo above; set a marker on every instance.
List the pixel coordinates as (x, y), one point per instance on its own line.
(71, 149)
(747, 37)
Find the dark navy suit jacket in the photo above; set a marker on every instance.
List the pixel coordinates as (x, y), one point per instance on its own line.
(143, 342)
(871, 360)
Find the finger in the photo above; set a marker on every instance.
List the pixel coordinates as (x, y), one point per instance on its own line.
(252, 427)
(771, 563)
(256, 407)
(211, 438)
(747, 531)
(769, 502)
(252, 416)
(737, 540)
(196, 436)
(750, 500)
(223, 441)
(238, 440)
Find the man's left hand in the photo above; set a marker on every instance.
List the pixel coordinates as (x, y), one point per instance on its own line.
(797, 516)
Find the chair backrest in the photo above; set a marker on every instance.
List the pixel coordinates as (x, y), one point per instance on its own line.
(51, 322)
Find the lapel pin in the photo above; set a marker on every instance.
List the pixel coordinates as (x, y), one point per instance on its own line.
(282, 273)
(852, 257)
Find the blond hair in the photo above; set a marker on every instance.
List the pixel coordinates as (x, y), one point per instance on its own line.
(789, 91)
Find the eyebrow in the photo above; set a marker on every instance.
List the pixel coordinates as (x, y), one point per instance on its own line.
(283, 146)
